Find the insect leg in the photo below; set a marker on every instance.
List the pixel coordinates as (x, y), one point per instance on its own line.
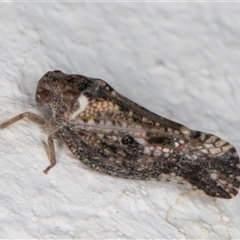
(51, 152)
(30, 116)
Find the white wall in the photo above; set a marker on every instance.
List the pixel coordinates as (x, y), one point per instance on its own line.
(179, 60)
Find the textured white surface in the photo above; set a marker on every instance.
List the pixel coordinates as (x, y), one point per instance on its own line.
(179, 60)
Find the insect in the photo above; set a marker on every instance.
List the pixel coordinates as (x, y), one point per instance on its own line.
(111, 134)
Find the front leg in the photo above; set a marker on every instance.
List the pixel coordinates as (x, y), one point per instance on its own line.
(30, 116)
(40, 121)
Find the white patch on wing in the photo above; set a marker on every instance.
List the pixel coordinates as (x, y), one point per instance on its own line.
(83, 103)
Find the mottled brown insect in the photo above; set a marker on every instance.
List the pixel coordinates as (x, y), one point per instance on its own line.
(116, 136)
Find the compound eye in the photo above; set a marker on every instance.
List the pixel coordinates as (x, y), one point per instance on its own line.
(43, 97)
(46, 96)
